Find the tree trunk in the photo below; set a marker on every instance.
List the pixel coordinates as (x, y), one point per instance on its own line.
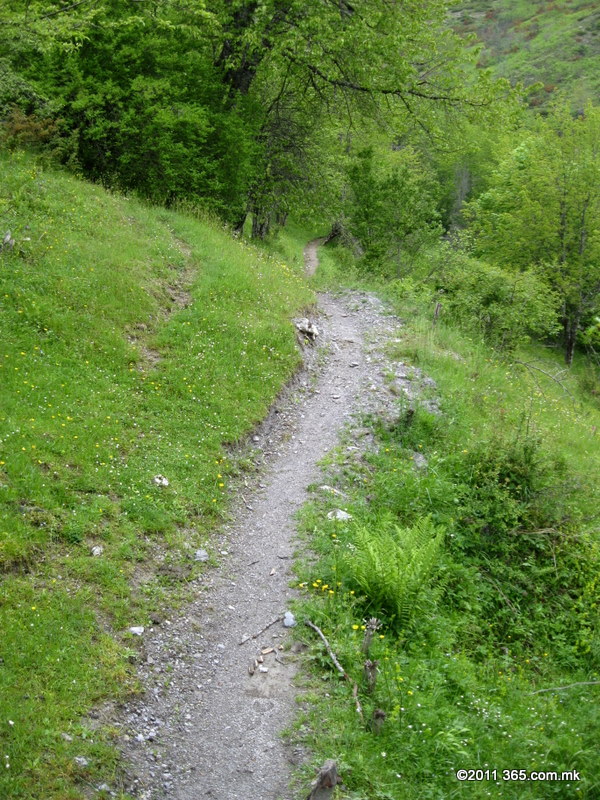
(260, 224)
(571, 327)
(238, 228)
(239, 76)
(325, 782)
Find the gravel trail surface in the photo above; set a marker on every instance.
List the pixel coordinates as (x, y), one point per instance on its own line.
(205, 726)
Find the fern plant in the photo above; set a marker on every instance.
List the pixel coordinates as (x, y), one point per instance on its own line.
(390, 565)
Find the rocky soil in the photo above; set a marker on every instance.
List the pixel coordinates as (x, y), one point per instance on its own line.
(219, 675)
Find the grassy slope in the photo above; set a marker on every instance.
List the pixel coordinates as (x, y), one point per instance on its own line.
(134, 342)
(510, 609)
(555, 43)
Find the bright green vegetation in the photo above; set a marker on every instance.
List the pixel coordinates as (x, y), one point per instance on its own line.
(134, 342)
(246, 108)
(556, 44)
(483, 569)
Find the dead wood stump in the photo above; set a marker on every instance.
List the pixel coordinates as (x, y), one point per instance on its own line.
(325, 782)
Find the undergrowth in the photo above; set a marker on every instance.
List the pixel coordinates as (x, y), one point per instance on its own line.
(491, 658)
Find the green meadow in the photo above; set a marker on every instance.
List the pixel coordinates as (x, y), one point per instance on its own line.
(135, 342)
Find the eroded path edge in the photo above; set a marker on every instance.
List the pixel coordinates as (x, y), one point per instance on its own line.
(206, 727)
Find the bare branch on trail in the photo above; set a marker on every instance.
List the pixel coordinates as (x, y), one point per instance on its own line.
(530, 366)
(262, 630)
(568, 686)
(338, 666)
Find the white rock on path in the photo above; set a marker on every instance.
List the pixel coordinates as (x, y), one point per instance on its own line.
(289, 620)
(339, 515)
(307, 328)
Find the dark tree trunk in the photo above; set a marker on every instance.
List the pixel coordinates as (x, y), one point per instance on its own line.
(239, 224)
(239, 74)
(239, 61)
(570, 328)
(261, 224)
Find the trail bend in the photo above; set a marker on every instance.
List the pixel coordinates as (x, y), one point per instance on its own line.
(206, 727)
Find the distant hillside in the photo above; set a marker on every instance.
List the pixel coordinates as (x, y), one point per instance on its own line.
(556, 44)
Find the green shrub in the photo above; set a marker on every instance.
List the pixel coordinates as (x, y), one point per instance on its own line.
(505, 308)
(391, 565)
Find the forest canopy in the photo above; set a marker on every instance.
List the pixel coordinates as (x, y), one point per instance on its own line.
(242, 106)
(372, 117)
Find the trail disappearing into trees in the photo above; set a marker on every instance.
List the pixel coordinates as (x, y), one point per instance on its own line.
(206, 727)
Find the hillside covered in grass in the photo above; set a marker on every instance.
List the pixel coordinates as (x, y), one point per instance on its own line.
(473, 541)
(134, 343)
(556, 44)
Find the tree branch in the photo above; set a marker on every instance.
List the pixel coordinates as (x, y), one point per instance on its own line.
(338, 666)
(568, 686)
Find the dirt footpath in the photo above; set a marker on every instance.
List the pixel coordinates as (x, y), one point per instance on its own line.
(206, 727)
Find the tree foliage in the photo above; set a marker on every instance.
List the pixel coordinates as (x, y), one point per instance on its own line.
(392, 208)
(543, 210)
(240, 105)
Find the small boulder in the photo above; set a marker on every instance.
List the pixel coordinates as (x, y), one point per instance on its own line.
(339, 515)
(307, 328)
(137, 630)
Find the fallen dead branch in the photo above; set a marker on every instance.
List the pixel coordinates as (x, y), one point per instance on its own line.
(528, 365)
(338, 666)
(262, 630)
(568, 686)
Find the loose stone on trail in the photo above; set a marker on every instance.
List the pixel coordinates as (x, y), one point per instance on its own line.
(331, 490)
(307, 328)
(339, 515)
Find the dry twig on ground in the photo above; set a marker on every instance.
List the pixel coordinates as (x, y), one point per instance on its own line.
(338, 666)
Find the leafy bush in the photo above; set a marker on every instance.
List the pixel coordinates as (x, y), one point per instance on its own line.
(392, 210)
(505, 308)
(391, 565)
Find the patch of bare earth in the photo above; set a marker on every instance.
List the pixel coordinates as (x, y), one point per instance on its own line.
(177, 295)
(218, 678)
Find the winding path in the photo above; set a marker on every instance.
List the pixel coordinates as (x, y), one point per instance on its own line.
(206, 727)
